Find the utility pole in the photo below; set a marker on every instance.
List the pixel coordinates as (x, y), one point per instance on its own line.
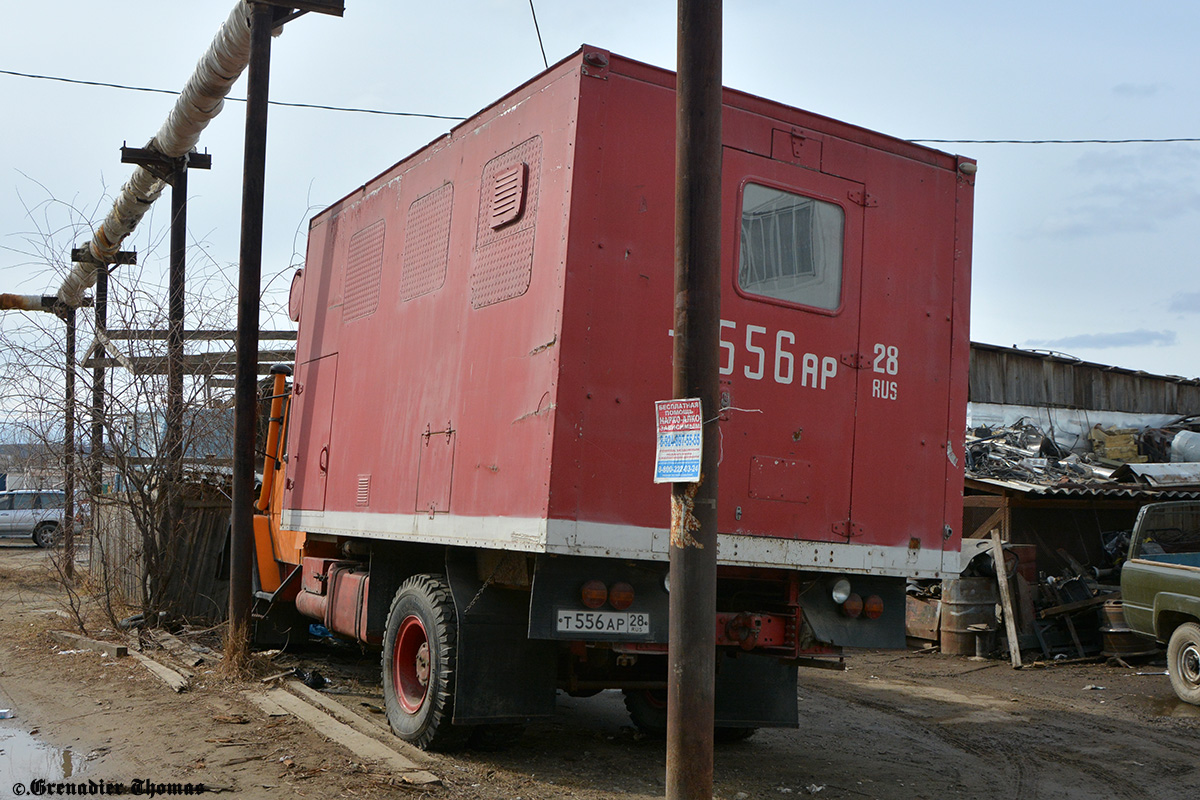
(245, 413)
(173, 171)
(69, 453)
(692, 656)
(265, 15)
(96, 466)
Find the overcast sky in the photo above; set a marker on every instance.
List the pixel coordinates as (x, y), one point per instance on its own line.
(1081, 248)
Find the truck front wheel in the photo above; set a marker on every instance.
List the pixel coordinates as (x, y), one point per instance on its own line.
(419, 649)
(1183, 662)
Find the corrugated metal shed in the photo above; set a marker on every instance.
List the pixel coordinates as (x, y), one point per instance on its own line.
(1147, 492)
(1161, 476)
(1007, 375)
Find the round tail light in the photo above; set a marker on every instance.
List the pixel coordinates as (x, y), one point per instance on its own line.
(594, 594)
(873, 607)
(853, 606)
(620, 596)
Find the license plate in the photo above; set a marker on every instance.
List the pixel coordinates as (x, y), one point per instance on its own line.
(614, 622)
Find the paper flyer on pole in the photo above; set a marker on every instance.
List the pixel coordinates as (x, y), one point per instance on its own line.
(680, 426)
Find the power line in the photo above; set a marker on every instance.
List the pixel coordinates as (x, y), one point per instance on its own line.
(235, 99)
(381, 112)
(1054, 141)
(539, 34)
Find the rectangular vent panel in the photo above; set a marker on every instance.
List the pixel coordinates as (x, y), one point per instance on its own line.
(502, 262)
(364, 270)
(427, 243)
(363, 498)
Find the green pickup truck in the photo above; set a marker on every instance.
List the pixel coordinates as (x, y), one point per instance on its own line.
(1160, 588)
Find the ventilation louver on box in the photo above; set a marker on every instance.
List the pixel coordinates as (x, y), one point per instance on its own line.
(502, 262)
(508, 195)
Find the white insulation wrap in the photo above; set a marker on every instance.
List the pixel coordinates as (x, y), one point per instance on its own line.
(200, 101)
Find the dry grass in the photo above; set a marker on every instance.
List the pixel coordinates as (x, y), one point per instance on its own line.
(238, 663)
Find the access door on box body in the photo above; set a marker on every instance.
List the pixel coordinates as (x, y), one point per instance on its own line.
(789, 343)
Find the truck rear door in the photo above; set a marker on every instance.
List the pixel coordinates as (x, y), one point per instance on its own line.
(309, 434)
(789, 344)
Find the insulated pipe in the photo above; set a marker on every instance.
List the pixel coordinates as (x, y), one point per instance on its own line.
(25, 302)
(200, 101)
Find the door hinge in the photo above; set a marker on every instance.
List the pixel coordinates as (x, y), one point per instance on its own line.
(847, 528)
(854, 360)
(863, 198)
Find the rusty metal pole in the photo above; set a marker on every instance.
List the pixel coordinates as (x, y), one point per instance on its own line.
(175, 311)
(246, 381)
(69, 453)
(697, 344)
(96, 470)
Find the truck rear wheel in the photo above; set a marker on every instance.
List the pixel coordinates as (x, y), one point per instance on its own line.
(419, 650)
(648, 711)
(1183, 662)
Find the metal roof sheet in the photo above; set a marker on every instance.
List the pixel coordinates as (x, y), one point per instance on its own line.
(1105, 489)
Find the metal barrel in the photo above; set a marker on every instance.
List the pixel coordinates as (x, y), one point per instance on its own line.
(966, 602)
(1026, 561)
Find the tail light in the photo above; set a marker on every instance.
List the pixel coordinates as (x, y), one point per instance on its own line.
(594, 594)
(620, 596)
(873, 607)
(853, 606)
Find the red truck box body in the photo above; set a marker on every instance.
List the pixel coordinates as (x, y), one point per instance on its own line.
(484, 329)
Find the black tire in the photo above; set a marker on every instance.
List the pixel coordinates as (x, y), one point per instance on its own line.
(722, 735)
(46, 535)
(1183, 662)
(497, 737)
(648, 711)
(419, 650)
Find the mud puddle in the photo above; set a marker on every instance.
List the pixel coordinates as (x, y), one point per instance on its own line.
(1172, 707)
(22, 754)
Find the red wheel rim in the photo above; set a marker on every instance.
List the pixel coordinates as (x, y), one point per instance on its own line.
(656, 698)
(411, 665)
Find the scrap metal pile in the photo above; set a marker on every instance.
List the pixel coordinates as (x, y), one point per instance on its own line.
(1026, 453)
(1073, 614)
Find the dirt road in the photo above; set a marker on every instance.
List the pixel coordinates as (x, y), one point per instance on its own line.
(895, 725)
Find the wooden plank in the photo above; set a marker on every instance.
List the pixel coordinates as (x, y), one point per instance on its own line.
(996, 519)
(1078, 605)
(174, 680)
(360, 744)
(204, 335)
(369, 726)
(180, 651)
(195, 363)
(77, 642)
(268, 705)
(983, 501)
(1010, 622)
